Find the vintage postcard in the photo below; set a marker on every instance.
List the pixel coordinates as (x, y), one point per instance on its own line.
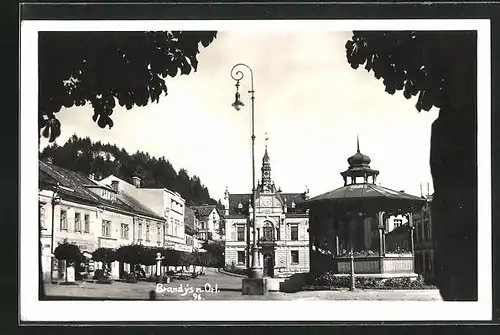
(286, 170)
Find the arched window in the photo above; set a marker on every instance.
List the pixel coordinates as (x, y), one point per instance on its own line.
(267, 232)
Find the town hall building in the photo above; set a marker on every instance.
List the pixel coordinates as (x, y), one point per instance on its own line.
(282, 228)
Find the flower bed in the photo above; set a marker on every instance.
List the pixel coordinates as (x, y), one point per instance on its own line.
(329, 281)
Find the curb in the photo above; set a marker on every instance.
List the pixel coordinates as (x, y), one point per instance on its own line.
(230, 274)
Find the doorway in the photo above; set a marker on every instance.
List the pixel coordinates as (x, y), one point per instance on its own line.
(268, 265)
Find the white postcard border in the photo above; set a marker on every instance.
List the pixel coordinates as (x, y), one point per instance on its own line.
(31, 309)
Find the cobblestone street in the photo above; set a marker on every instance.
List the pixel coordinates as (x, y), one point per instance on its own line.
(229, 288)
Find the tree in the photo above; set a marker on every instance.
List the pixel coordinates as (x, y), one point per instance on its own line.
(104, 255)
(216, 250)
(84, 156)
(130, 254)
(186, 259)
(68, 252)
(171, 257)
(109, 68)
(439, 67)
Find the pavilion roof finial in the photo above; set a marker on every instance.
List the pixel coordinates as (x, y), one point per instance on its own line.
(267, 138)
(357, 142)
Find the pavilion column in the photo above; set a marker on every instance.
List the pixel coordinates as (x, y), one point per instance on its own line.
(337, 249)
(412, 228)
(381, 227)
(336, 236)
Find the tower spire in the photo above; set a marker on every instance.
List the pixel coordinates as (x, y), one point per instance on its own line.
(357, 141)
(267, 138)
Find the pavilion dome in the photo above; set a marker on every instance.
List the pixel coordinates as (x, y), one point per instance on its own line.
(359, 159)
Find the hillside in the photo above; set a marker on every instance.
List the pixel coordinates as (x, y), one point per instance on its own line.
(87, 157)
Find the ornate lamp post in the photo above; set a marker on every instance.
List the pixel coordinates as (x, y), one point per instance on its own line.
(237, 75)
(56, 199)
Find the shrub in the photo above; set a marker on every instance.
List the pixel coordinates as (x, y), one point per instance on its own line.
(104, 280)
(330, 280)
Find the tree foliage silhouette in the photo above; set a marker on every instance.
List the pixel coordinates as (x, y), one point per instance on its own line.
(439, 67)
(110, 68)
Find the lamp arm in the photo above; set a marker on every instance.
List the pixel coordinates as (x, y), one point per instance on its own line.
(238, 75)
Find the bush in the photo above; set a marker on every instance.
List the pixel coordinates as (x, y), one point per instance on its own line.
(131, 280)
(104, 280)
(330, 280)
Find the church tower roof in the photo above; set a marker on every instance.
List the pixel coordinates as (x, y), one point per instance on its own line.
(266, 167)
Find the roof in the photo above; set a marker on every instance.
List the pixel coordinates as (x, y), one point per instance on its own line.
(363, 191)
(189, 217)
(53, 174)
(80, 184)
(138, 207)
(244, 199)
(203, 211)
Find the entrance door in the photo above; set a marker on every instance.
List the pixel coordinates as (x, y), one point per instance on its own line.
(268, 265)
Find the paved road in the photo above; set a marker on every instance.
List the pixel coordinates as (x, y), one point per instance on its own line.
(228, 288)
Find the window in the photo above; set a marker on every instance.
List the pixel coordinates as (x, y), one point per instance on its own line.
(267, 232)
(147, 232)
(124, 231)
(172, 226)
(158, 233)
(139, 232)
(295, 256)
(294, 232)
(78, 222)
(106, 228)
(241, 233)
(241, 257)
(42, 218)
(63, 220)
(178, 228)
(427, 231)
(86, 227)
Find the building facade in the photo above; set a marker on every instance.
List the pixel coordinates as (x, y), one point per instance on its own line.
(209, 221)
(281, 228)
(424, 242)
(164, 203)
(91, 214)
(191, 229)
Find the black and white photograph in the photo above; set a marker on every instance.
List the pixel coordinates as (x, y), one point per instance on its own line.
(338, 167)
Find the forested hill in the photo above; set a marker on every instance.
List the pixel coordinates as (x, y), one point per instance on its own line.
(102, 160)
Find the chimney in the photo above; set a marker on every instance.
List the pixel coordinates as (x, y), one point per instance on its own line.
(92, 176)
(136, 181)
(48, 160)
(114, 185)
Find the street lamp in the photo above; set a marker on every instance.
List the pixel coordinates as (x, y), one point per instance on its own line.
(255, 271)
(56, 199)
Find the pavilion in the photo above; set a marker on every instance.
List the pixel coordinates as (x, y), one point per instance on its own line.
(347, 226)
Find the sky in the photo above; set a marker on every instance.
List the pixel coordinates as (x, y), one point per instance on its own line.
(308, 100)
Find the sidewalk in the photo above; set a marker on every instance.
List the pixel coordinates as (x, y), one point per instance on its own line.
(140, 291)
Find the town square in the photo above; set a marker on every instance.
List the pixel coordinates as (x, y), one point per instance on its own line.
(277, 166)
